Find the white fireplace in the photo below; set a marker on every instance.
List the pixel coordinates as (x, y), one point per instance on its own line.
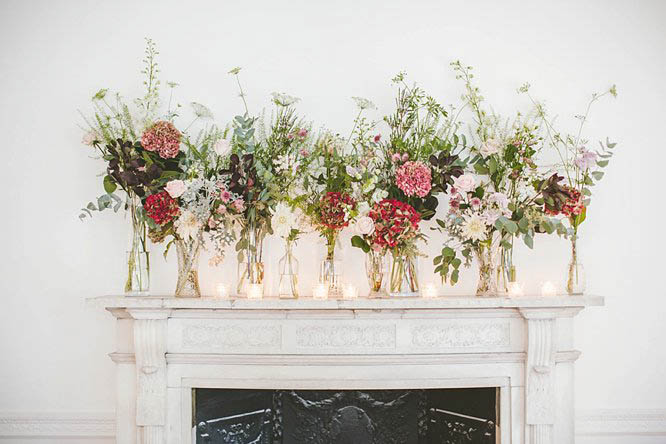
(167, 347)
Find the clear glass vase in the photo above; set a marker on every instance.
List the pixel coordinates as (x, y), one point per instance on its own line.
(375, 269)
(250, 266)
(137, 282)
(403, 280)
(575, 273)
(330, 269)
(188, 252)
(288, 266)
(488, 271)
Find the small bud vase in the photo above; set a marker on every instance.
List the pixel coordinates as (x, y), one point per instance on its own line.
(575, 284)
(403, 280)
(375, 269)
(250, 266)
(288, 266)
(188, 252)
(330, 269)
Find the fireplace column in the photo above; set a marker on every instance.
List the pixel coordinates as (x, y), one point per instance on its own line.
(150, 337)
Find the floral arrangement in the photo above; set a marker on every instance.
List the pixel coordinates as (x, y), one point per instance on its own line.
(271, 174)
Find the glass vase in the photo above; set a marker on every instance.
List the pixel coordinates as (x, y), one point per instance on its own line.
(375, 269)
(487, 257)
(288, 265)
(137, 282)
(330, 269)
(403, 280)
(250, 266)
(575, 273)
(188, 252)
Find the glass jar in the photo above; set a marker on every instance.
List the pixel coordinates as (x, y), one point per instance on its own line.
(137, 282)
(188, 252)
(575, 273)
(403, 280)
(250, 266)
(487, 285)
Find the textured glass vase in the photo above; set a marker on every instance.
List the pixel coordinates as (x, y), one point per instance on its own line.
(487, 259)
(250, 267)
(375, 269)
(288, 266)
(137, 282)
(403, 278)
(188, 252)
(575, 284)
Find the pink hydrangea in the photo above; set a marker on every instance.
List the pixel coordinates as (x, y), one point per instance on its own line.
(162, 137)
(414, 178)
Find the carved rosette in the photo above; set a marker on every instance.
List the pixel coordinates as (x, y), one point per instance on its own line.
(150, 335)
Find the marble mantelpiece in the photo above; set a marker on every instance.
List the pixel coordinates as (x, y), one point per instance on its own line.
(168, 346)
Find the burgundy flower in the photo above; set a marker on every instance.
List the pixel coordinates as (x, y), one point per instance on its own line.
(162, 137)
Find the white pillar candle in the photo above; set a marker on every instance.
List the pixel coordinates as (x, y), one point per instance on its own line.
(222, 291)
(429, 291)
(515, 289)
(350, 292)
(548, 289)
(255, 291)
(320, 291)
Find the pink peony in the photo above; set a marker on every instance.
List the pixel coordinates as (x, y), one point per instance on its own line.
(414, 178)
(162, 137)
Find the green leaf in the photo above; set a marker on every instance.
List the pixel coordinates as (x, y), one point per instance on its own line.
(359, 242)
(448, 252)
(523, 224)
(109, 184)
(602, 163)
(529, 241)
(597, 175)
(454, 277)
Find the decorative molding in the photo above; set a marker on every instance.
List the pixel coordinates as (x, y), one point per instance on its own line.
(539, 380)
(589, 422)
(231, 336)
(491, 334)
(343, 336)
(625, 422)
(150, 355)
(48, 424)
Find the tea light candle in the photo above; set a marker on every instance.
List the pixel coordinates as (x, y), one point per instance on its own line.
(320, 291)
(350, 292)
(255, 291)
(548, 289)
(222, 291)
(429, 291)
(515, 289)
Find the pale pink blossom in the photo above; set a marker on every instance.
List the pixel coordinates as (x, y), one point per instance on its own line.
(396, 157)
(475, 202)
(365, 225)
(225, 196)
(238, 205)
(585, 159)
(302, 132)
(405, 157)
(175, 188)
(222, 209)
(304, 152)
(464, 183)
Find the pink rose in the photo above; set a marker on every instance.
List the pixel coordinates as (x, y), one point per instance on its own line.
(225, 196)
(475, 202)
(365, 225)
(175, 188)
(396, 157)
(464, 183)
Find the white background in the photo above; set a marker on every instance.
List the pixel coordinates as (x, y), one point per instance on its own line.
(54, 56)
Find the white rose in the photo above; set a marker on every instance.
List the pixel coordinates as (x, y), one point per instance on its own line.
(175, 188)
(365, 225)
(464, 183)
(222, 147)
(490, 146)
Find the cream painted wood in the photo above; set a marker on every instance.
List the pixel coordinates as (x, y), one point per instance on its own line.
(166, 347)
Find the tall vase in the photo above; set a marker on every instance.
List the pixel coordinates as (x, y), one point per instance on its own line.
(288, 265)
(375, 269)
(506, 271)
(137, 282)
(575, 272)
(188, 267)
(487, 257)
(403, 280)
(251, 267)
(330, 269)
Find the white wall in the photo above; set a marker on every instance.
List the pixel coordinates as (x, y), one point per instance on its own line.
(55, 55)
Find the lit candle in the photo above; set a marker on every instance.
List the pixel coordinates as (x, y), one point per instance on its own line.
(255, 291)
(548, 289)
(515, 289)
(350, 292)
(222, 291)
(320, 291)
(429, 291)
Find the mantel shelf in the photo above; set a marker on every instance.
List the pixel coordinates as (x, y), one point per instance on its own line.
(308, 303)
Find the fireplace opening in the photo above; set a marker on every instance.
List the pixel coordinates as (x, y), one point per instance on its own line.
(423, 416)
